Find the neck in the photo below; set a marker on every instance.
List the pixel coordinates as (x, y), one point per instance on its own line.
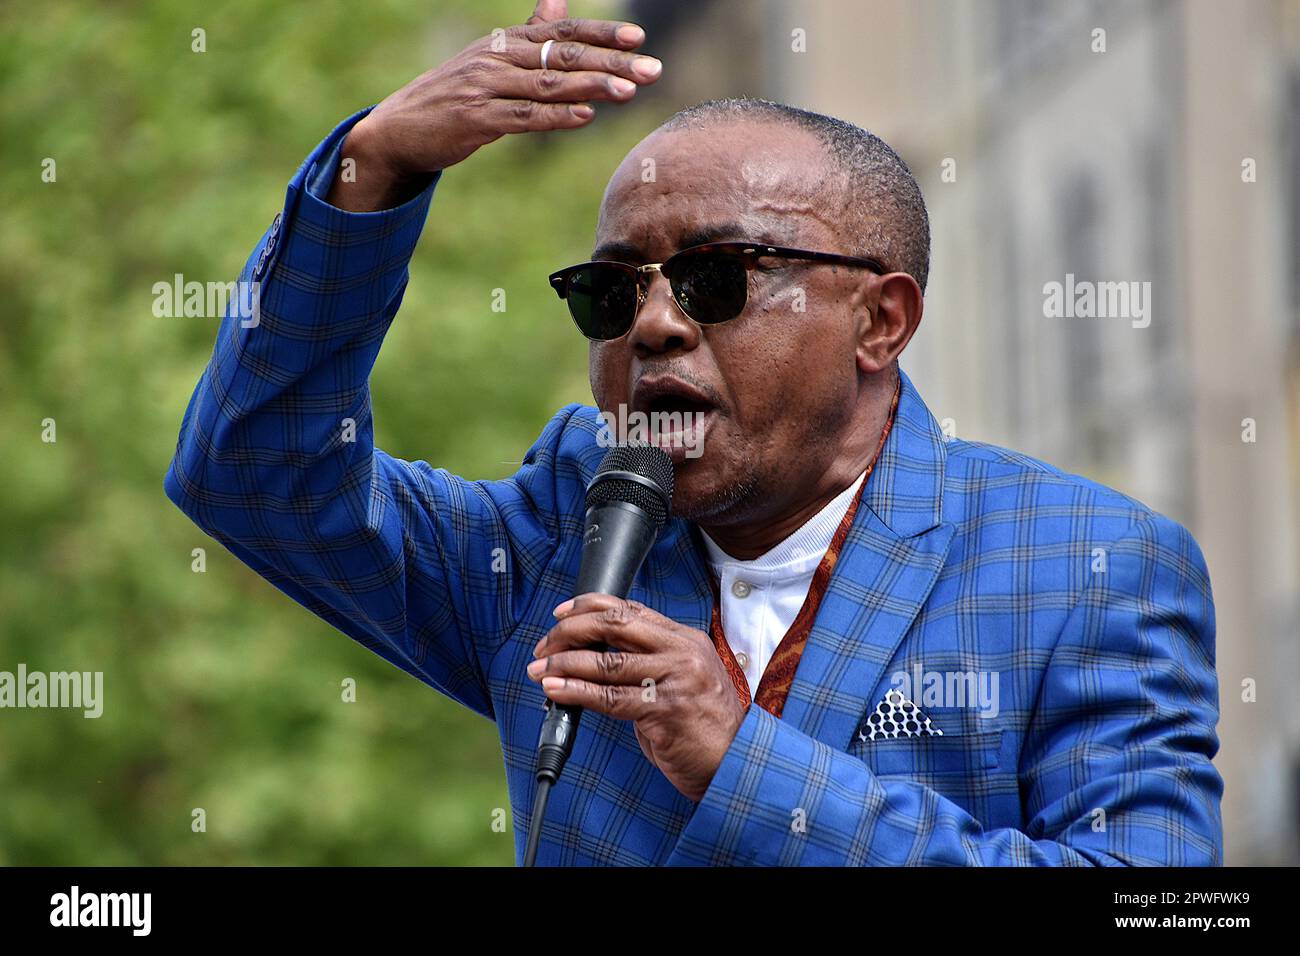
(750, 541)
(760, 532)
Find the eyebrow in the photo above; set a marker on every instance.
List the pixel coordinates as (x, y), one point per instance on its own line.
(620, 251)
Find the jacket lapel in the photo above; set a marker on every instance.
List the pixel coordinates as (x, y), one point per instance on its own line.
(887, 566)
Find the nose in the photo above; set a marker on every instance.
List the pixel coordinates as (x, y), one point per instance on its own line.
(661, 327)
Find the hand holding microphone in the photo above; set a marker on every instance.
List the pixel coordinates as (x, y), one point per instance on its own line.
(691, 714)
(628, 502)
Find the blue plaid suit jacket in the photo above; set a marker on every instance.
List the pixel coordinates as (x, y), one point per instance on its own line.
(1092, 612)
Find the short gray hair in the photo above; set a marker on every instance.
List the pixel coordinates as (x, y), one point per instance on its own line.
(887, 219)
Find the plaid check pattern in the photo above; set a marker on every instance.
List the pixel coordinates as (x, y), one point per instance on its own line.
(1093, 613)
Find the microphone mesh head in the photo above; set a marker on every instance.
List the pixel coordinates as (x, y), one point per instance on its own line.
(644, 461)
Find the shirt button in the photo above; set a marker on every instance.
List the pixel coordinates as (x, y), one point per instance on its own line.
(740, 589)
(743, 660)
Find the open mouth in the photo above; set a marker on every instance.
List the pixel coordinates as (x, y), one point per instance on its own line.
(673, 415)
(666, 406)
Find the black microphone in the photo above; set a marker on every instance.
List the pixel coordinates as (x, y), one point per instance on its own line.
(627, 506)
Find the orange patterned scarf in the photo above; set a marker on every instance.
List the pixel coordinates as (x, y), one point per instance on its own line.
(778, 677)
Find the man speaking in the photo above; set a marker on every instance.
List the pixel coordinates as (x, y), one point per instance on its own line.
(853, 642)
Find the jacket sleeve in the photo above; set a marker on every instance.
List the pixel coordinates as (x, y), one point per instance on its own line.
(1115, 768)
(276, 458)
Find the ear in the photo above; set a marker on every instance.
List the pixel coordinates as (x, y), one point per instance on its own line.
(888, 309)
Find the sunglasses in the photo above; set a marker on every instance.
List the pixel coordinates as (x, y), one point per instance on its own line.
(710, 284)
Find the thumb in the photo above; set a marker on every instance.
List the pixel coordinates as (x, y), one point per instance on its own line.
(547, 10)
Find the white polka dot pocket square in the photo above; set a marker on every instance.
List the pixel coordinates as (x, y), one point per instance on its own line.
(896, 716)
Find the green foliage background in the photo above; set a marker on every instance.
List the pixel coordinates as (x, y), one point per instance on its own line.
(220, 692)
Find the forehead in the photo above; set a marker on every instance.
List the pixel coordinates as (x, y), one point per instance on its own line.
(761, 181)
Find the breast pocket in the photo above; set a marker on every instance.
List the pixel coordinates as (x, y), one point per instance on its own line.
(970, 754)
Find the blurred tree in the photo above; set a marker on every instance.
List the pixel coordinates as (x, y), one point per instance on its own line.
(220, 693)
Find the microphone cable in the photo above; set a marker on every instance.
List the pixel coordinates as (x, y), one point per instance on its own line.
(535, 825)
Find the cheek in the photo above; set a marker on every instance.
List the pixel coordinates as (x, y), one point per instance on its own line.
(767, 365)
(607, 372)
(784, 369)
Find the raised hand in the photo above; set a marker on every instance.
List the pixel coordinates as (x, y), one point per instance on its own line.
(495, 86)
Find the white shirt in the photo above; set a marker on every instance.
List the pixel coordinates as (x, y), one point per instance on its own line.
(761, 598)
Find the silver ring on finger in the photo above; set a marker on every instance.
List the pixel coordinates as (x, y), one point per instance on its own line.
(546, 51)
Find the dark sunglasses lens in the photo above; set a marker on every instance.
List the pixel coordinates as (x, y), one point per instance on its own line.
(602, 299)
(710, 287)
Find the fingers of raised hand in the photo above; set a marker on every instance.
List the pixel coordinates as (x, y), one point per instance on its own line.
(605, 33)
(574, 56)
(530, 116)
(559, 86)
(549, 10)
